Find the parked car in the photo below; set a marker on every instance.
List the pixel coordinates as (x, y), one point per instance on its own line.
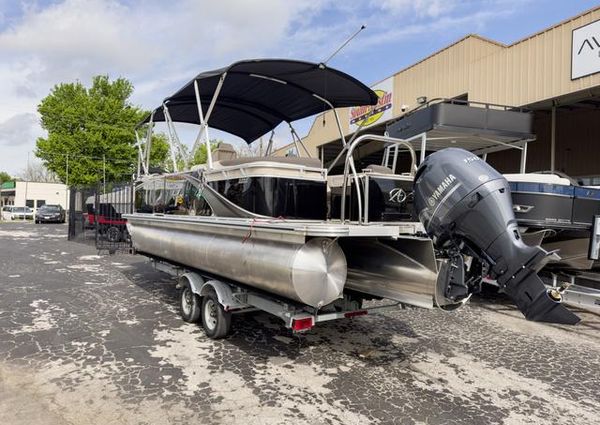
(6, 212)
(50, 214)
(20, 213)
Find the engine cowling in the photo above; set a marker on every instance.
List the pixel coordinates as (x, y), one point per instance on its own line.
(466, 208)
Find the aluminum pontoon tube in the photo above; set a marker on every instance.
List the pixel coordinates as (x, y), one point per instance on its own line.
(312, 272)
(408, 273)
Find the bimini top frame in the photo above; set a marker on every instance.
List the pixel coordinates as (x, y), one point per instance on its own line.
(250, 98)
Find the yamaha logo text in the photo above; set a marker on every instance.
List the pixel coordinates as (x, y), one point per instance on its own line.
(442, 187)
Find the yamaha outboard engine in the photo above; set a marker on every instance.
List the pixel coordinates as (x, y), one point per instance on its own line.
(466, 208)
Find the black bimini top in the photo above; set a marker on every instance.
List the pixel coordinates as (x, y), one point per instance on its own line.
(258, 95)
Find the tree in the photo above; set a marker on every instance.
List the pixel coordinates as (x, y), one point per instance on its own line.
(201, 156)
(159, 152)
(89, 129)
(5, 177)
(36, 172)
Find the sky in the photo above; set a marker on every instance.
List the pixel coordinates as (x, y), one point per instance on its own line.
(160, 45)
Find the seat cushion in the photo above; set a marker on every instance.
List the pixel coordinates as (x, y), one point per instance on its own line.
(302, 161)
(380, 169)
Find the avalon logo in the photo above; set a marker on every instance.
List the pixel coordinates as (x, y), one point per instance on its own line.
(397, 195)
(585, 50)
(590, 43)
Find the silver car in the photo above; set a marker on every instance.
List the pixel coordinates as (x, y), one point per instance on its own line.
(21, 213)
(6, 212)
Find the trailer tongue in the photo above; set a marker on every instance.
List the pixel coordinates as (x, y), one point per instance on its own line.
(466, 208)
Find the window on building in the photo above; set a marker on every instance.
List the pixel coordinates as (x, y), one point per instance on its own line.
(29, 203)
(40, 203)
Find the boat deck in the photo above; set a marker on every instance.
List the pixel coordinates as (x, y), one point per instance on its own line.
(312, 228)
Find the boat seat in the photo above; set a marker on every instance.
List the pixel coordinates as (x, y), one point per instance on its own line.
(379, 169)
(294, 160)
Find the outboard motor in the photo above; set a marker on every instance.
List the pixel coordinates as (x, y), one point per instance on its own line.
(466, 208)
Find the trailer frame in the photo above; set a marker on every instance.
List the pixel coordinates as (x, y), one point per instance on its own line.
(235, 298)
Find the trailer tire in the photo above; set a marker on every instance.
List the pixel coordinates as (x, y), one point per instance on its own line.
(215, 320)
(113, 234)
(189, 304)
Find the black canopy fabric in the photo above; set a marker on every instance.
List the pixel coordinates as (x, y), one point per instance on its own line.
(258, 95)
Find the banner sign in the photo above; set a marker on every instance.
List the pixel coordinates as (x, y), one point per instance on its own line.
(365, 116)
(585, 50)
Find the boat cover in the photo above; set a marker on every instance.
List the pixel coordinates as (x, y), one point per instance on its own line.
(258, 95)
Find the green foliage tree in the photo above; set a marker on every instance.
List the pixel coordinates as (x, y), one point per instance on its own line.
(5, 177)
(201, 155)
(159, 152)
(88, 125)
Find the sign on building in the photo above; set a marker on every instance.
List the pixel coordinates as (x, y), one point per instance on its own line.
(365, 116)
(585, 50)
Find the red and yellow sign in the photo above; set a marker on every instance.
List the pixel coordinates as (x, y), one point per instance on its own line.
(364, 116)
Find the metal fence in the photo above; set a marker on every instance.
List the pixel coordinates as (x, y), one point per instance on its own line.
(96, 216)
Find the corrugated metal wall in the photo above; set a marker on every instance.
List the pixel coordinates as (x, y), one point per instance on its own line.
(532, 70)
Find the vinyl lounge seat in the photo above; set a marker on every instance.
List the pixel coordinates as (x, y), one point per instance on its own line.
(379, 169)
(292, 160)
(537, 178)
(278, 167)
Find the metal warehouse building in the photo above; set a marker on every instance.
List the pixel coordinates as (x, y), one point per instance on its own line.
(554, 73)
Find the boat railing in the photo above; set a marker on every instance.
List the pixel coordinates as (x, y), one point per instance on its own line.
(464, 102)
(349, 167)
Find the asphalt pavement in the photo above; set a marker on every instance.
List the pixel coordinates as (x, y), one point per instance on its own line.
(97, 339)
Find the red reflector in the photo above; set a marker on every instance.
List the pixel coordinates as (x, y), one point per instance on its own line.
(356, 313)
(302, 324)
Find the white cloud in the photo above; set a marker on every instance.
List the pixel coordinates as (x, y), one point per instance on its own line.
(19, 129)
(421, 8)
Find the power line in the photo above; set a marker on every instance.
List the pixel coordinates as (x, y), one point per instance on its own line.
(71, 156)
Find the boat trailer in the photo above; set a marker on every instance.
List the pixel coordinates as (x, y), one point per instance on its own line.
(211, 300)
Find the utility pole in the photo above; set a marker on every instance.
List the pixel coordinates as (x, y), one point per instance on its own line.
(104, 171)
(26, 187)
(67, 203)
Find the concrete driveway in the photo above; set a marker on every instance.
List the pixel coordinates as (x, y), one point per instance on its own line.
(87, 339)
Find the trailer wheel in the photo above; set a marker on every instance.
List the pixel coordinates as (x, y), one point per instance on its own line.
(113, 234)
(189, 305)
(215, 320)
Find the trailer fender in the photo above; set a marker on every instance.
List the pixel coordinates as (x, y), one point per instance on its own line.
(224, 294)
(195, 281)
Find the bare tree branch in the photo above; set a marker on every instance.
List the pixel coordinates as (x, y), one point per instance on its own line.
(36, 172)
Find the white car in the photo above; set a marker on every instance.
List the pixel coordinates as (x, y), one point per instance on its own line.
(20, 213)
(6, 212)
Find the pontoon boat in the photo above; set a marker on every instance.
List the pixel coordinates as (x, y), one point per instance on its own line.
(285, 227)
